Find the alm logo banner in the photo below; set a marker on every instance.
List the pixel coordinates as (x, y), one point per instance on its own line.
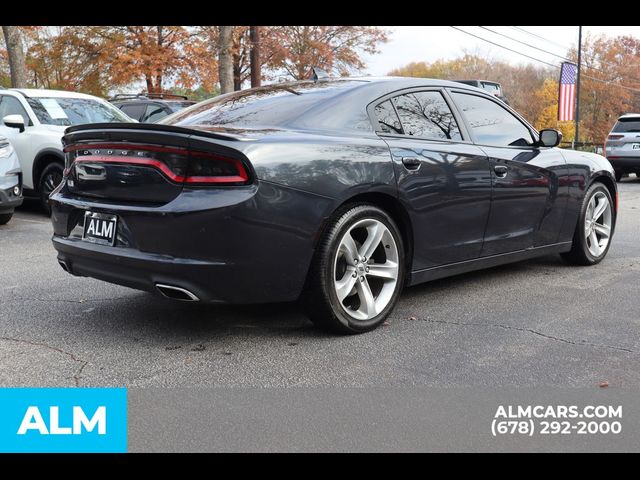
(56, 420)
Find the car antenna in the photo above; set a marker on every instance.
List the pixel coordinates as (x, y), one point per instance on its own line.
(319, 74)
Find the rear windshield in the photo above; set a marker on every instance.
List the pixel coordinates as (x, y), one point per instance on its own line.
(275, 105)
(631, 125)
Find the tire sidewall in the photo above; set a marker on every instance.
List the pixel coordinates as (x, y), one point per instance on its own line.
(44, 199)
(350, 323)
(597, 187)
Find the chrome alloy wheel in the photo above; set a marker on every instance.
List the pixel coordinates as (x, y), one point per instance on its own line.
(366, 269)
(597, 224)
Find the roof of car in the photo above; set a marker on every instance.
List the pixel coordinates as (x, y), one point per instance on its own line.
(44, 93)
(627, 116)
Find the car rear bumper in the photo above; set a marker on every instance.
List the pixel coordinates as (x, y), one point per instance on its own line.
(246, 245)
(623, 164)
(209, 281)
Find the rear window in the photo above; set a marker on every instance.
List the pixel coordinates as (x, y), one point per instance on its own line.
(276, 105)
(631, 125)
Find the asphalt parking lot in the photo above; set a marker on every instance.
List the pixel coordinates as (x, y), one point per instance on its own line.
(535, 323)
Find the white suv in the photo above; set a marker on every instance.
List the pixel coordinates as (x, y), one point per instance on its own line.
(34, 122)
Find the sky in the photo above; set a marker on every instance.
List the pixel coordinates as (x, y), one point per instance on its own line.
(423, 43)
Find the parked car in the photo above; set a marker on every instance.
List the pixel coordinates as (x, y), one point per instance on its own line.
(10, 181)
(622, 146)
(493, 88)
(150, 107)
(34, 122)
(338, 192)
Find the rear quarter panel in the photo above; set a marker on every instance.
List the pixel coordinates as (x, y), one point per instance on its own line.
(583, 169)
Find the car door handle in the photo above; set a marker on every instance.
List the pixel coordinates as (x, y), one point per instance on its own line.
(501, 171)
(411, 163)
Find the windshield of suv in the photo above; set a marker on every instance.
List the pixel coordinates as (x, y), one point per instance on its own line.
(74, 111)
(630, 125)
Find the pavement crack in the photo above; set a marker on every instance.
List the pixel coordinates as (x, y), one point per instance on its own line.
(530, 330)
(83, 363)
(48, 300)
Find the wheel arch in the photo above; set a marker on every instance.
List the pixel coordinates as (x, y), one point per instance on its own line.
(610, 183)
(44, 158)
(390, 204)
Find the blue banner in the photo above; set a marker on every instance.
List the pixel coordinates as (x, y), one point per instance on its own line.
(63, 420)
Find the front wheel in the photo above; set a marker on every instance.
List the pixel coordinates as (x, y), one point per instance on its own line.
(357, 273)
(5, 217)
(49, 180)
(592, 237)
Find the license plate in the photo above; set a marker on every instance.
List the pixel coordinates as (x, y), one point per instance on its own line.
(635, 146)
(99, 228)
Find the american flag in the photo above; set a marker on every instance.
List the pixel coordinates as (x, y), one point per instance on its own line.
(567, 91)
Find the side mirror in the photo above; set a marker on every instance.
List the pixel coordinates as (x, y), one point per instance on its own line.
(14, 121)
(550, 137)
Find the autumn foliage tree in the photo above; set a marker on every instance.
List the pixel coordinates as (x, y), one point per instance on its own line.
(338, 49)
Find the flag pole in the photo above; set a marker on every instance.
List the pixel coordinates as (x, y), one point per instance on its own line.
(577, 135)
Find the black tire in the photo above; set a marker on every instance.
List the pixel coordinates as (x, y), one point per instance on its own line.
(619, 176)
(5, 217)
(320, 298)
(579, 253)
(50, 177)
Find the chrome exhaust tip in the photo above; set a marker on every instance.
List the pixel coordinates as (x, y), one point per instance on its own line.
(176, 293)
(64, 266)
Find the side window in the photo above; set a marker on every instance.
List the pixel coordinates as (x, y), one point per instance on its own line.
(154, 113)
(387, 118)
(12, 106)
(135, 110)
(427, 115)
(492, 124)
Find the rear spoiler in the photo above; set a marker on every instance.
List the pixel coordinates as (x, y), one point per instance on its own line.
(105, 127)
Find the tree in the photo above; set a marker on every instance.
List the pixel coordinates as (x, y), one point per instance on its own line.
(149, 53)
(15, 53)
(225, 58)
(256, 66)
(547, 98)
(296, 49)
(602, 98)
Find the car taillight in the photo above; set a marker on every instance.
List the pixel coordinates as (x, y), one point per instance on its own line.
(179, 165)
(207, 168)
(610, 137)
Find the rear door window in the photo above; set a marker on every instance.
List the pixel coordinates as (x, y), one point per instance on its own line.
(427, 115)
(388, 118)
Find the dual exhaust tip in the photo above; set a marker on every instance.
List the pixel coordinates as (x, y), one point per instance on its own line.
(177, 293)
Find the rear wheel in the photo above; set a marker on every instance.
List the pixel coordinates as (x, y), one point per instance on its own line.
(5, 217)
(49, 179)
(357, 273)
(592, 237)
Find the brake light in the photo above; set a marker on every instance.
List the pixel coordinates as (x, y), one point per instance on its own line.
(179, 165)
(615, 137)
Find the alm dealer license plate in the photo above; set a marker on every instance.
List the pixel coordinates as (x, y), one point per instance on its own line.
(99, 228)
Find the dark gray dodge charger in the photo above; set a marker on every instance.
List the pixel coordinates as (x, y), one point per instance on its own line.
(336, 192)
